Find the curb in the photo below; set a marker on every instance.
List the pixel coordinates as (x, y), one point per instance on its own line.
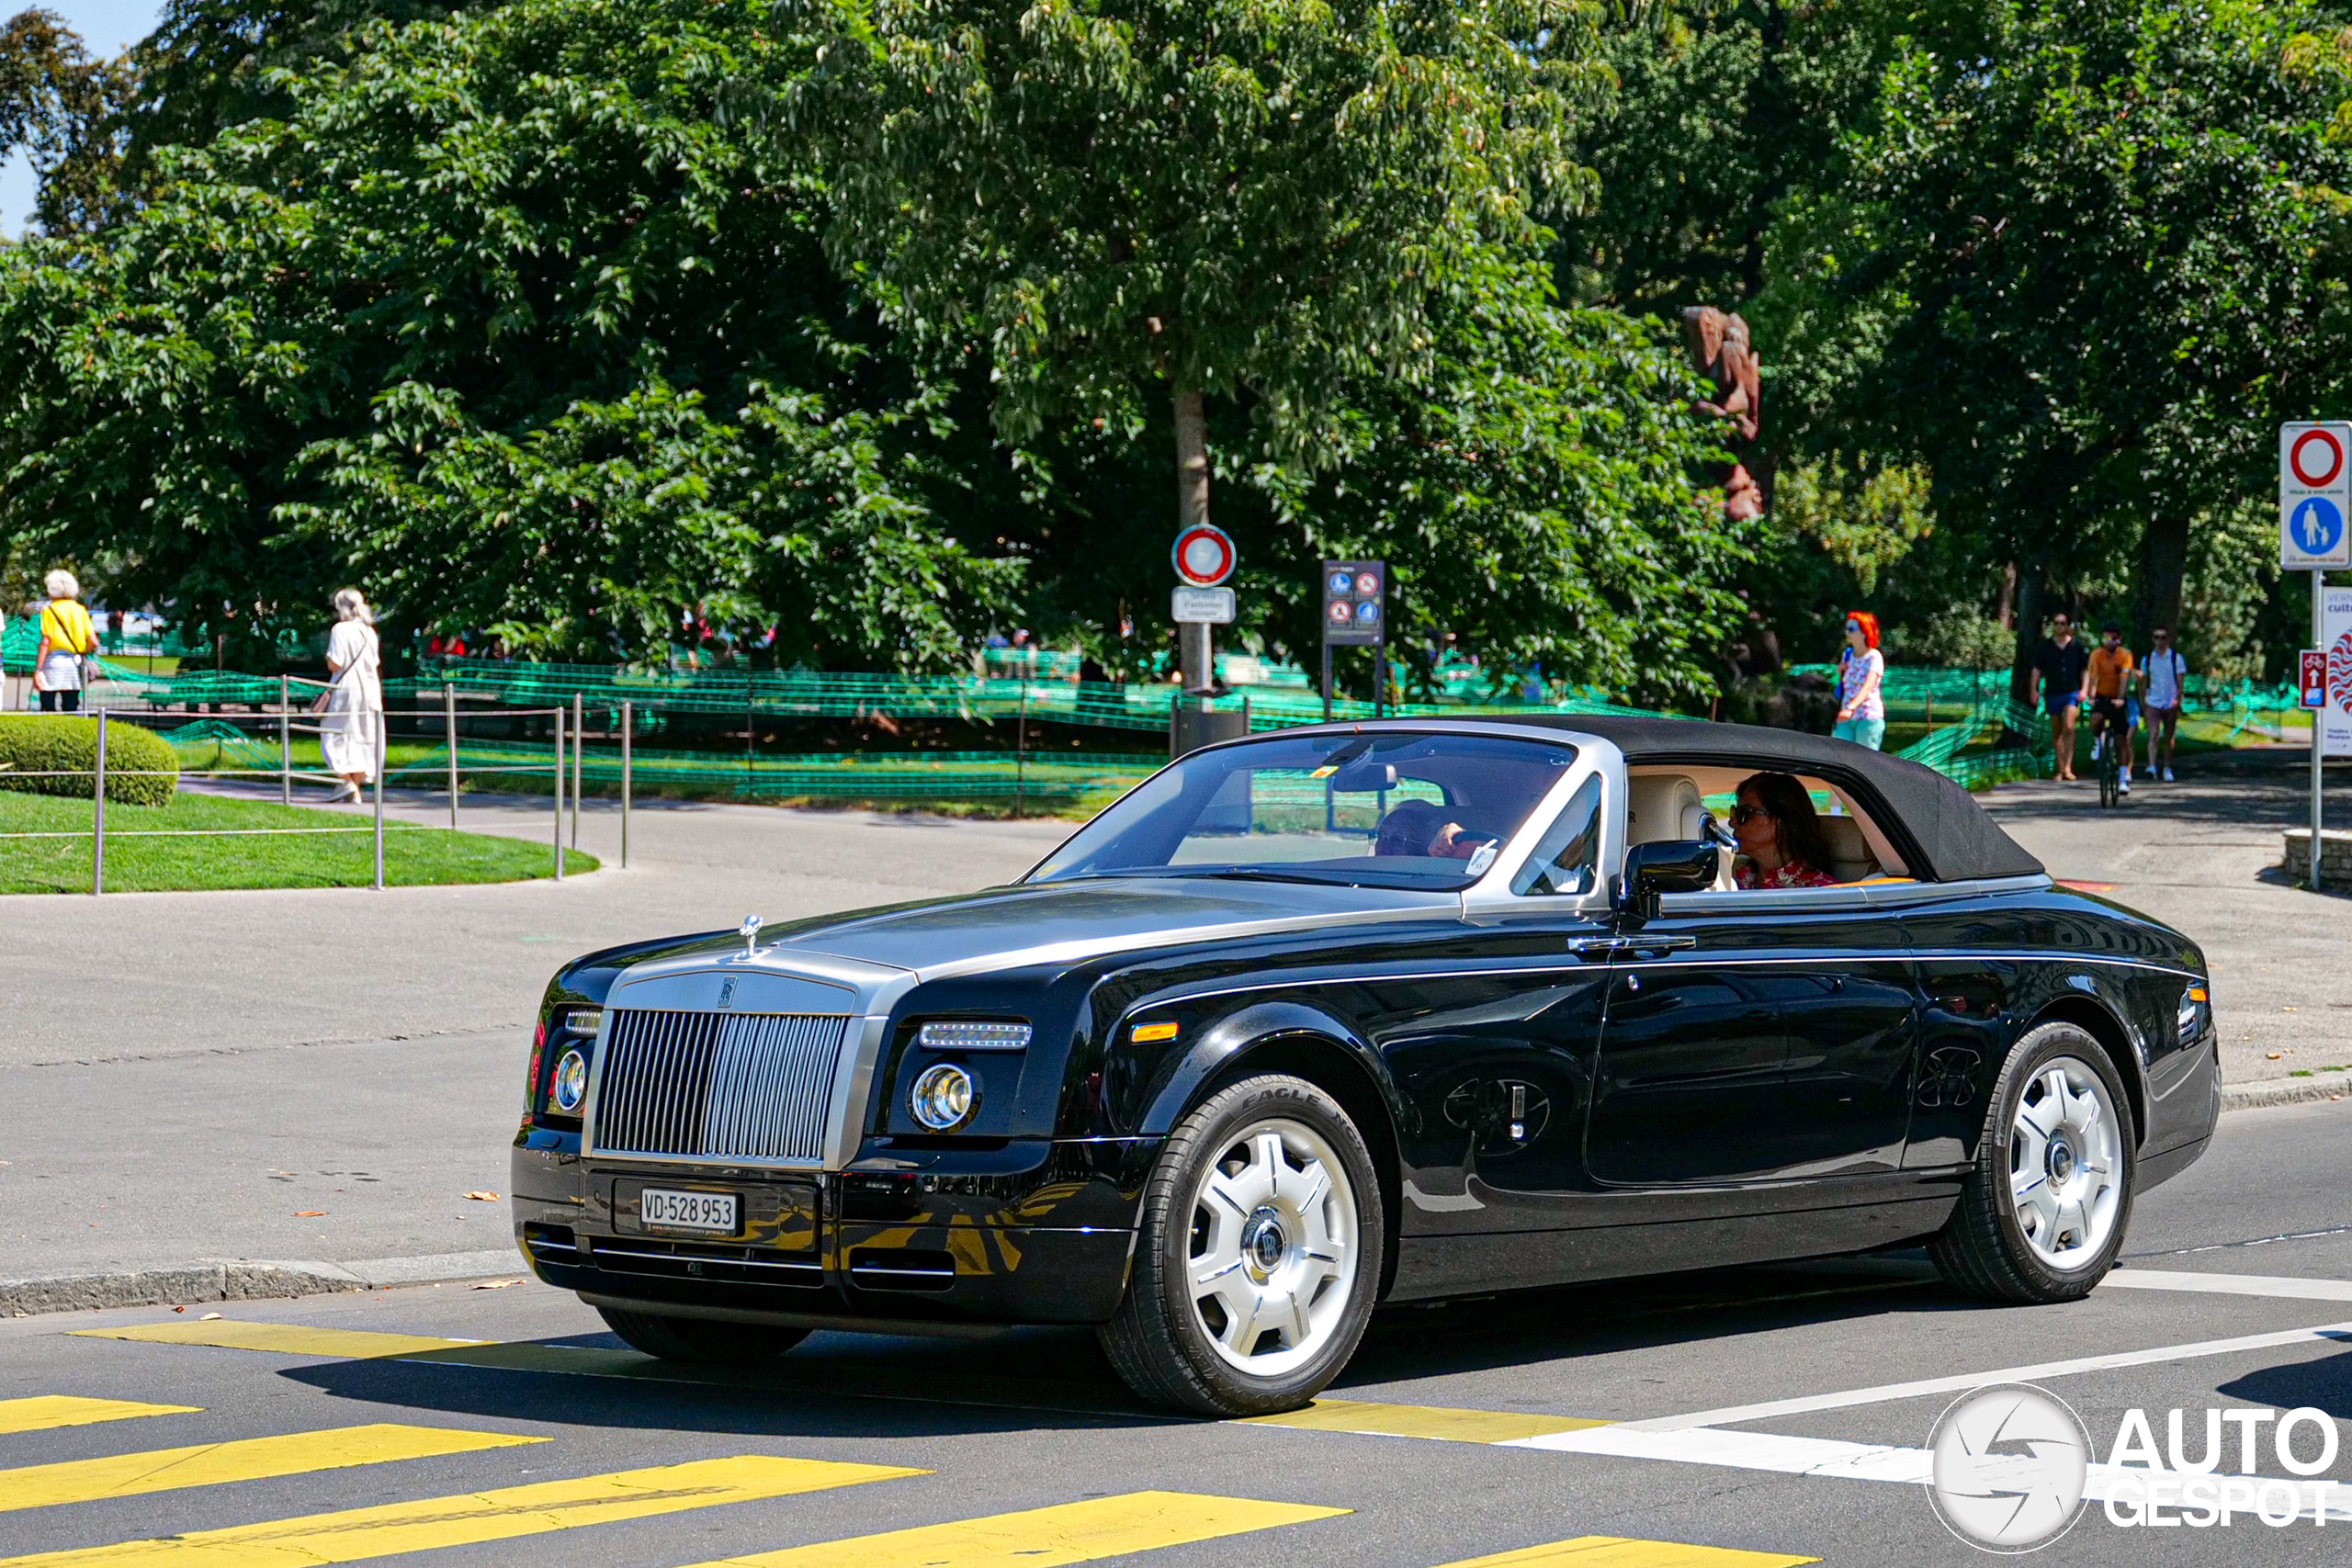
(238, 1281)
(2282, 1091)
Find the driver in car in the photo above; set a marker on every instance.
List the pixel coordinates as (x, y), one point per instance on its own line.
(1420, 828)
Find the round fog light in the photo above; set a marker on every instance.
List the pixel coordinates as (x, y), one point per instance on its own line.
(943, 1098)
(570, 1081)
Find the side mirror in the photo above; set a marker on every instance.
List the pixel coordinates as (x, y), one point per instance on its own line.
(1687, 865)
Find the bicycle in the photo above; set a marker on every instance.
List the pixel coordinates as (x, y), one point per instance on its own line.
(2110, 772)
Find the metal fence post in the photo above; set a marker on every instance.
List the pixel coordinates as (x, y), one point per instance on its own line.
(379, 813)
(450, 732)
(98, 812)
(578, 728)
(627, 718)
(558, 776)
(285, 741)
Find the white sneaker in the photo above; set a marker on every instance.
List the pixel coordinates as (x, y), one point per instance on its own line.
(2123, 785)
(2168, 776)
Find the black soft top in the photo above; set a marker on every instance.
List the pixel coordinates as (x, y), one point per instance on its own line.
(1950, 837)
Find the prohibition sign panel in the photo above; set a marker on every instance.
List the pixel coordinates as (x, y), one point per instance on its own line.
(1204, 555)
(2314, 495)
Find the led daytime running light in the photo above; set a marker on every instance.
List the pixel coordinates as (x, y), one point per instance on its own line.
(969, 1035)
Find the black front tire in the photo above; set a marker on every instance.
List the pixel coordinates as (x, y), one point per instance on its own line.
(700, 1341)
(1982, 1250)
(1159, 1343)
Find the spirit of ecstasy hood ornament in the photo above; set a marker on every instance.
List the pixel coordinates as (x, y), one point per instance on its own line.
(750, 932)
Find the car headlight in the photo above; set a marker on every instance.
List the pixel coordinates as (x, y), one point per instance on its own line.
(583, 1021)
(2194, 1010)
(945, 1097)
(571, 1084)
(959, 1034)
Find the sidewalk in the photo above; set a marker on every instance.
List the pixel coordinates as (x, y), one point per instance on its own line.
(2202, 856)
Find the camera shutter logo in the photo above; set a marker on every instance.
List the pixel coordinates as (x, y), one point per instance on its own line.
(2011, 1462)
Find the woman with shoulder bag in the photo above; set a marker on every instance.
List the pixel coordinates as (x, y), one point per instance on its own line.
(66, 640)
(351, 723)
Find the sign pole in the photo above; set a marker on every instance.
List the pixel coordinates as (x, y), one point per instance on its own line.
(2319, 726)
(1327, 680)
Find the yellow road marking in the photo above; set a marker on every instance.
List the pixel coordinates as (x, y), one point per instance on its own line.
(467, 1518)
(252, 1459)
(1621, 1551)
(1422, 1421)
(47, 1412)
(1044, 1538)
(287, 1338)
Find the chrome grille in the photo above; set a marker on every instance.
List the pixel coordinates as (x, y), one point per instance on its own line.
(718, 1085)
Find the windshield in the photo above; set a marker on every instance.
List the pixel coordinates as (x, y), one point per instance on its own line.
(1384, 810)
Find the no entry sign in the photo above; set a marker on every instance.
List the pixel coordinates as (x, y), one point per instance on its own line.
(2314, 496)
(1204, 555)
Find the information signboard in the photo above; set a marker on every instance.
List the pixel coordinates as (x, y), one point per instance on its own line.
(1355, 609)
(2335, 720)
(1210, 606)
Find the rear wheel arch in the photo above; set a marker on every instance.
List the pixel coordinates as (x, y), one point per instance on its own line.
(2094, 1019)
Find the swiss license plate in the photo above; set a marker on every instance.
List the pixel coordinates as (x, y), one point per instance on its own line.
(670, 1209)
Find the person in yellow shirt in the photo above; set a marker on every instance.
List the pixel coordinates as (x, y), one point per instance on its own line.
(66, 638)
(2107, 693)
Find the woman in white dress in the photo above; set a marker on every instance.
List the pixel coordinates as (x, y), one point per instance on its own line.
(351, 722)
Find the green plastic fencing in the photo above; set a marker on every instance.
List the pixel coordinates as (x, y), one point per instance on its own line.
(931, 775)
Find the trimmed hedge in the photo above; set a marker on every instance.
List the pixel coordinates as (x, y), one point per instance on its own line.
(56, 742)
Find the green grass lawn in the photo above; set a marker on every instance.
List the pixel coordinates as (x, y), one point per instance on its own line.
(412, 856)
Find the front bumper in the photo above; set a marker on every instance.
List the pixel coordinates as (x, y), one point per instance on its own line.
(1033, 1231)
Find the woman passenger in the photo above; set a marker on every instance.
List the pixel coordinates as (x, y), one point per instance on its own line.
(1780, 841)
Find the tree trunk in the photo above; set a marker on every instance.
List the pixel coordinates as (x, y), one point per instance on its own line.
(2009, 597)
(2028, 629)
(1192, 511)
(2163, 564)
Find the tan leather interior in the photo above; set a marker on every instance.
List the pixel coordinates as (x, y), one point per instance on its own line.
(1850, 853)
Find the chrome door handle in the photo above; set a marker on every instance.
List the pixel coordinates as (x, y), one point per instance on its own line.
(1595, 946)
(1628, 946)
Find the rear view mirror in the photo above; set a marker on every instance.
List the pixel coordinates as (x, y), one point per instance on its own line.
(1687, 865)
(1362, 778)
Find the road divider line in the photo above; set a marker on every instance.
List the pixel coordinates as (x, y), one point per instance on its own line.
(2281, 1285)
(47, 1412)
(1625, 1552)
(285, 1339)
(1374, 1419)
(468, 1519)
(250, 1459)
(1046, 1538)
(1883, 1393)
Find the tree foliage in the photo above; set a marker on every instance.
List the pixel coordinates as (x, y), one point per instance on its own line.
(513, 321)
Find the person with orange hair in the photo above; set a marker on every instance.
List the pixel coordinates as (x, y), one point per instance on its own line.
(1862, 674)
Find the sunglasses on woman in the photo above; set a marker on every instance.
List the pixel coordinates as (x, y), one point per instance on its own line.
(1741, 814)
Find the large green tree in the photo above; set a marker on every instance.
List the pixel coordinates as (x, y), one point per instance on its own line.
(2081, 271)
(1127, 202)
(512, 322)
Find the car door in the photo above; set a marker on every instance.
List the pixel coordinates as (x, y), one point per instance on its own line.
(1754, 1036)
(1495, 1050)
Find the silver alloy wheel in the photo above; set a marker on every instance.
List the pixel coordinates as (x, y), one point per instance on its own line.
(1272, 1255)
(2065, 1164)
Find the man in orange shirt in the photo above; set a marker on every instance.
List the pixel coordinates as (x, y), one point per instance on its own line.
(2107, 690)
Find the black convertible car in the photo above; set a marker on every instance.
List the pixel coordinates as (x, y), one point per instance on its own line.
(1364, 1013)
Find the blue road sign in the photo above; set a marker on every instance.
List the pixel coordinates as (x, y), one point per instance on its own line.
(2316, 526)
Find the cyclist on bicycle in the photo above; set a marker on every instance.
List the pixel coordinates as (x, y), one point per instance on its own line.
(2107, 680)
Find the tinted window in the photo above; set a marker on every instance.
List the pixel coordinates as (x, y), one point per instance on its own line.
(1566, 859)
(1390, 810)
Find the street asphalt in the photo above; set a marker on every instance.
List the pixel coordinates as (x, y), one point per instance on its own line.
(308, 1431)
(325, 1075)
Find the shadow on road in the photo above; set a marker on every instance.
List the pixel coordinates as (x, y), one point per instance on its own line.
(1022, 1379)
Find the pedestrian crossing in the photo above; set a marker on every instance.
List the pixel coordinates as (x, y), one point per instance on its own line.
(1093, 1529)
